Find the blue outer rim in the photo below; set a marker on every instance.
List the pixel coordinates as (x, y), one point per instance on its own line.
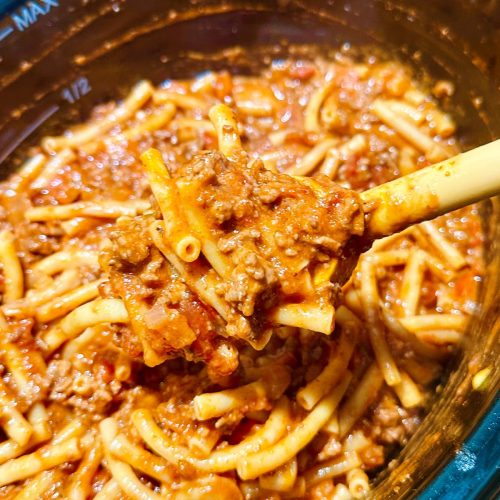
(474, 472)
(6, 5)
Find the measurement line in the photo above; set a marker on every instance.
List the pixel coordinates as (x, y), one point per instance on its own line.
(5, 32)
(28, 131)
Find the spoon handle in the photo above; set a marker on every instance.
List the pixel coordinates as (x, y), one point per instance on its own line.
(432, 191)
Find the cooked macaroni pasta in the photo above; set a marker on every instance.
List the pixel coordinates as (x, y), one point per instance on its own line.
(173, 328)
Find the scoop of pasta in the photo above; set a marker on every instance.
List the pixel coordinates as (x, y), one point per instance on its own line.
(270, 240)
(233, 249)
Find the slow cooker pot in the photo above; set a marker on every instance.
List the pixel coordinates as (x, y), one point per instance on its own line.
(59, 58)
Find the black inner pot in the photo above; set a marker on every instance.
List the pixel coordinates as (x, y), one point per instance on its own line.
(100, 48)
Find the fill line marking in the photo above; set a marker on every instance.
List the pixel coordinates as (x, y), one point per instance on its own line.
(5, 32)
(28, 131)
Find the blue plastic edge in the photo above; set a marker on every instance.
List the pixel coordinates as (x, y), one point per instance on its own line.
(474, 473)
(6, 5)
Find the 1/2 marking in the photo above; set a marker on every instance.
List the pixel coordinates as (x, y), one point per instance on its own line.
(76, 90)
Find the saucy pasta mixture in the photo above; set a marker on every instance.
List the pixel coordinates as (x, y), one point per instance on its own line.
(173, 324)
